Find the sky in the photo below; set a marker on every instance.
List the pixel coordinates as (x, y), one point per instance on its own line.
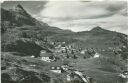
(78, 15)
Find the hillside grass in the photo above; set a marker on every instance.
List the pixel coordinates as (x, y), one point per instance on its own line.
(102, 72)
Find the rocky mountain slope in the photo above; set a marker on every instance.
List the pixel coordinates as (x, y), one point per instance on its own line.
(20, 29)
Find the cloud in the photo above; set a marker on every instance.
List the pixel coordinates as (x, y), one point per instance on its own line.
(82, 16)
(65, 10)
(71, 10)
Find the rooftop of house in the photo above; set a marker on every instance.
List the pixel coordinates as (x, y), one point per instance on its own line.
(55, 67)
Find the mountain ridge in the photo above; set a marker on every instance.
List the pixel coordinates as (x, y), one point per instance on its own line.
(98, 28)
(41, 30)
(19, 17)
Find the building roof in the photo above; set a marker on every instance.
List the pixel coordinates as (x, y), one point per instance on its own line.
(55, 67)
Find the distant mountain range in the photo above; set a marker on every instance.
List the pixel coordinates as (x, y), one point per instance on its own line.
(17, 25)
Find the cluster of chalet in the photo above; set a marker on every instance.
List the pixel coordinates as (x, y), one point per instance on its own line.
(69, 51)
(48, 57)
(90, 52)
(66, 50)
(96, 52)
(109, 49)
(73, 75)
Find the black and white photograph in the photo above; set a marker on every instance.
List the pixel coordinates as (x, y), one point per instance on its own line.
(64, 41)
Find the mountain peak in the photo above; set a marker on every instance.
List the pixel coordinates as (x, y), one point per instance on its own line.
(98, 28)
(19, 8)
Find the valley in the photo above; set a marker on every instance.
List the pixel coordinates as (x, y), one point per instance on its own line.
(35, 52)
